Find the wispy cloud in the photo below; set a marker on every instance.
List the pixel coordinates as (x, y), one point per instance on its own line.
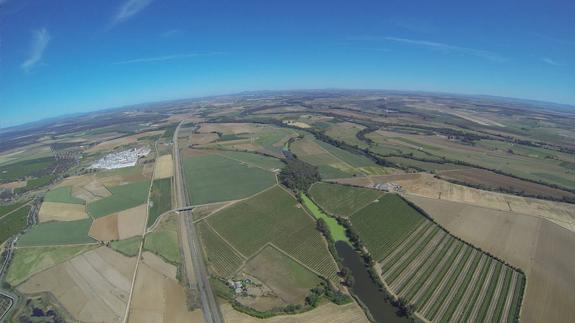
(449, 49)
(40, 40)
(129, 9)
(165, 58)
(171, 33)
(550, 61)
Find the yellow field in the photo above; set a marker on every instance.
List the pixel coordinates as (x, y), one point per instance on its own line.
(52, 211)
(164, 167)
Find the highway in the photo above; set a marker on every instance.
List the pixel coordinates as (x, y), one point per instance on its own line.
(210, 307)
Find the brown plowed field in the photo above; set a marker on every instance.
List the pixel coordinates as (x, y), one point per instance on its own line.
(493, 180)
(119, 226)
(543, 250)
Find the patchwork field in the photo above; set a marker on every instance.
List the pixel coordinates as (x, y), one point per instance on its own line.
(446, 280)
(342, 200)
(85, 187)
(427, 185)
(29, 261)
(92, 287)
(542, 249)
(121, 225)
(213, 178)
(57, 233)
(54, 211)
(123, 197)
(62, 194)
(223, 260)
(164, 167)
(272, 217)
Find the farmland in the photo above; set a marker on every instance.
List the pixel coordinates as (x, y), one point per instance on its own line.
(127, 247)
(13, 223)
(213, 178)
(342, 200)
(223, 260)
(123, 197)
(62, 195)
(336, 230)
(443, 277)
(29, 261)
(160, 198)
(274, 217)
(164, 241)
(57, 233)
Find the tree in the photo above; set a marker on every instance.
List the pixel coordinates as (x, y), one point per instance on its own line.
(299, 175)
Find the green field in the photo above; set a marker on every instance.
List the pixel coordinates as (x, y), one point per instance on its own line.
(128, 247)
(28, 261)
(336, 230)
(350, 158)
(10, 207)
(22, 169)
(123, 197)
(214, 178)
(62, 195)
(57, 233)
(342, 200)
(161, 199)
(13, 223)
(274, 216)
(268, 163)
(221, 257)
(384, 224)
(164, 241)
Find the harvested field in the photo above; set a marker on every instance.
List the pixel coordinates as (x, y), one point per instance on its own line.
(342, 200)
(126, 175)
(285, 277)
(275, 217)
(29, 261)
(164, 167)
(159, 265)
(214, 178)
(158, 298)
(330, 165)
(119, 226)
(13, 185)
(326, 313)
(540, 248)
(92, 287)
(57, 233)
(491, 180)
(52, 211)
(203, 138)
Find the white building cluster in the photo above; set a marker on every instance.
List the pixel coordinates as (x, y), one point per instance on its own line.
(121, 159)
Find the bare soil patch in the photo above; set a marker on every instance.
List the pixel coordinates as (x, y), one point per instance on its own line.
(92, 287)
(157, 298)
(164, 167)
(119, 226)
(53, 211)
(542, 249)
(105, 228)
(12, 185)
(158, 264)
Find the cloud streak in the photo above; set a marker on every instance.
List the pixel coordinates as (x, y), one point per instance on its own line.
(40, 40)
(550, 61)
(449, 49)
(163, 58)
(129, 9)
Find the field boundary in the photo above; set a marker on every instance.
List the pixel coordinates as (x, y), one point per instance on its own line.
(225, 241)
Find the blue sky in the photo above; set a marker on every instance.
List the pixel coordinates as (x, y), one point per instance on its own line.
(68, 56)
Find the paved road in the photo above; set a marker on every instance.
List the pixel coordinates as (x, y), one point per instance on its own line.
(210, 306)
